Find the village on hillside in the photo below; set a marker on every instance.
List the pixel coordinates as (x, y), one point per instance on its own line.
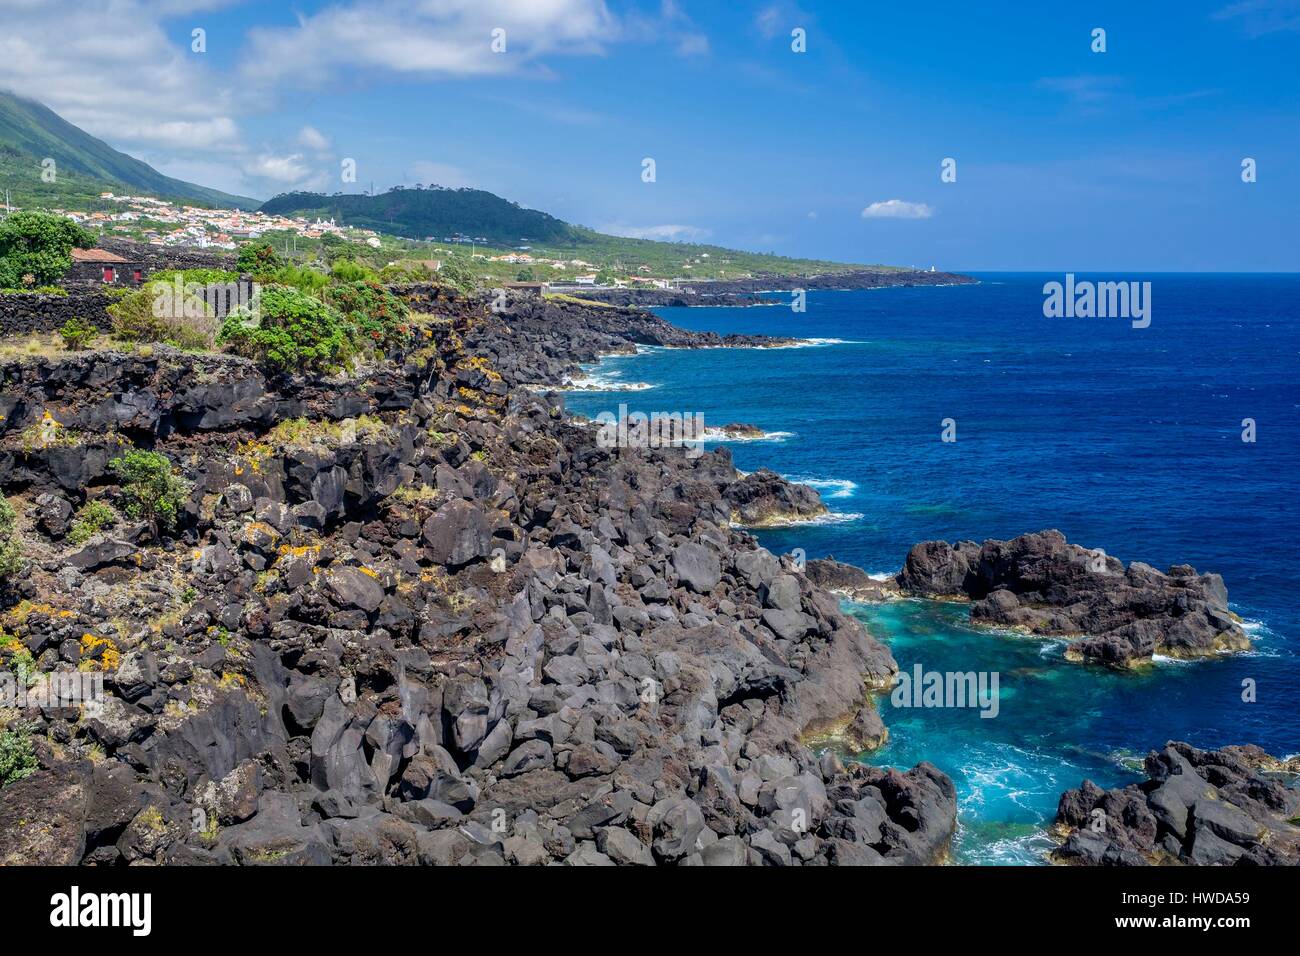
(162, 223)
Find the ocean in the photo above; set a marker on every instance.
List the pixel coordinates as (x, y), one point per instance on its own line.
(1126, 439)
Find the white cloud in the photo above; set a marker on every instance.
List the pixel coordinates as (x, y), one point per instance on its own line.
(314, 139)
(218, 134)
(1260, 17)
(693, 44)
(897, 209)
(280, 169)
(768, 21)
(124, 71)
(433, 37)
(1084, 88)
(108, 67)
(665, 233)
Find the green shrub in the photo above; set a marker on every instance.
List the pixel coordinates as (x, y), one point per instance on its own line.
(78, 333)
(11, 552)
(259, 259)
(153, 491)
(457, 272)
(36, 248)
(289, 330)
(37, 290)
(151, 314)
(406, 271)
(17, 758)
(350, 270)
(93, 518)
(300, 278)
(24, 666)
(201, 276)
(377, 316)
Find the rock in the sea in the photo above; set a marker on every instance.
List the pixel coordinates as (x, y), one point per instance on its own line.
(1044, 585)
(765, 498)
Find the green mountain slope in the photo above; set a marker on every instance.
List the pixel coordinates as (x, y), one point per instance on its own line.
(30, 133)
(429, 213)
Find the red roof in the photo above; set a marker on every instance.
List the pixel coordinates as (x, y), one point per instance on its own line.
(95, 255)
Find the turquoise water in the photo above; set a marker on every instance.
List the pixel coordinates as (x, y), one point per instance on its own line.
(1124, 439)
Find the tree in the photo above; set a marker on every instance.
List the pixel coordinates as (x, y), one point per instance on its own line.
(456, 272)
(11, 550)
(525, 275)
(36, 248)
(153, 492)
(289, 330)
(377, 316)
(259, 258)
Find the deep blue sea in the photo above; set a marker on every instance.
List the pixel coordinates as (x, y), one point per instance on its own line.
(1125, 439)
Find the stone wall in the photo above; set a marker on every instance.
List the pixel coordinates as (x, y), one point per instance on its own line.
(22, 314)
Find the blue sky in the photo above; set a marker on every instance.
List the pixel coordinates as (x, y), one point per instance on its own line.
(1066, 159)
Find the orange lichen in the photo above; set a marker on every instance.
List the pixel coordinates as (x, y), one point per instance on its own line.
(110, 658)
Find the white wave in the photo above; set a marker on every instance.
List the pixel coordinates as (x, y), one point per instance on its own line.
(831, 517)
(603, 383)
(836, 487)
(815, 343)
(1253, 627)
(834, 517)
(717, 434)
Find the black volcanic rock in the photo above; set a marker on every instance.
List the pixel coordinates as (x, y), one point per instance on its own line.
(1044, 585)
(764, 498)
(1205, 807)
(846, 579)
(456, 631)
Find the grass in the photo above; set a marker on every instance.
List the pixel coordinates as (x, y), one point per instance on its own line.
(305, 433)
(92, 518)
(42, 344)
(411, 495)
(17, 756)
(578, 300)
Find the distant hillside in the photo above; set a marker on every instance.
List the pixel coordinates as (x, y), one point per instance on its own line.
(435, 212)
(30, 133)
(499, 225)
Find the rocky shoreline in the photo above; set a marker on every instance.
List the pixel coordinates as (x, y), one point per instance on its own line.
(433, 623)
(763, 290)
(418, 615)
